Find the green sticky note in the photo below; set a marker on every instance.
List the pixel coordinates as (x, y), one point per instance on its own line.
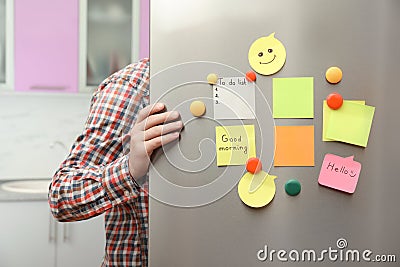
(351, 123)
(326, 114)
(293, 97)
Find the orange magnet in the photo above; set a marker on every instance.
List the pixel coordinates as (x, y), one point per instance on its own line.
(253, 165)
(334, 101)
(212, 78)
(251, 76)
(198, 108)
(334, 75)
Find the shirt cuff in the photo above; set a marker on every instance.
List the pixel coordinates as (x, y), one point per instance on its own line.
(118, 183)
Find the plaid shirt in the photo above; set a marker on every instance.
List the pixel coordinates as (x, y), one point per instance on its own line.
(95, 176)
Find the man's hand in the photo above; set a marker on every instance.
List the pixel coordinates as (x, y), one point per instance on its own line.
(151, 130)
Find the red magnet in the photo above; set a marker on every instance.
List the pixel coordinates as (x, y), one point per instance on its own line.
(253, 165)
(251, 76)
(334, 101)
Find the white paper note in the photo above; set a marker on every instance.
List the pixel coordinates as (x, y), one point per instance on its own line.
(234, 98)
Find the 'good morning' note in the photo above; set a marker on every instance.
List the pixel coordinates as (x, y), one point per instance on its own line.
(235, 144)
(340, 173)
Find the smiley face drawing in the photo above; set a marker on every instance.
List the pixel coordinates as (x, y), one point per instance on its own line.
(267, 55)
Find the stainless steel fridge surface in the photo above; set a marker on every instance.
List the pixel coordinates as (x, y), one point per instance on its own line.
(196, 215)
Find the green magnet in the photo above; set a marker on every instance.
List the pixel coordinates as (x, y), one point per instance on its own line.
(293, 187)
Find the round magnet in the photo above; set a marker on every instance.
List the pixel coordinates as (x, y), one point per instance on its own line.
(293, 187)
(212, 78)
(334, 101)
(251, 76)
(253, 165)
(333, 75)
(198, 108)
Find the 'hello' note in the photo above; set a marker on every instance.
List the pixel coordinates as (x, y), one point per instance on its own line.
(339, 173)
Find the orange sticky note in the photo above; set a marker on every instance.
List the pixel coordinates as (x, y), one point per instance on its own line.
(294, 145)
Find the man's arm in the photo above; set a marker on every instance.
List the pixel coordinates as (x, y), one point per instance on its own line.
(95, 176)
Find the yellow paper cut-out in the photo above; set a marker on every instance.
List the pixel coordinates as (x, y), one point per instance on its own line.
(267, 55)
(260, 197)
(326, 114)
(351, 123)
(235, 144)
(256, 182)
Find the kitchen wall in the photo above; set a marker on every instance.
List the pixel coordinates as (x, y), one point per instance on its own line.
(38, 128)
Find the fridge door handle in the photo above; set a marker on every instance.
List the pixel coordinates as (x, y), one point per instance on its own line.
(65, 232)
(52, 230)
(47, 87)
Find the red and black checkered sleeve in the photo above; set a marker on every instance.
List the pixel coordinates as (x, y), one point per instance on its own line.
(95, 175)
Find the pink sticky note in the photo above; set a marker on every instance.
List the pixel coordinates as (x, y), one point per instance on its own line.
(340, 173)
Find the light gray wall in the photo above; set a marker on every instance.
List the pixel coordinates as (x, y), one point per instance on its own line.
(34, 129)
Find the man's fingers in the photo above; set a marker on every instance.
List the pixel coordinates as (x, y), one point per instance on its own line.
(159, 130)
(159, 141)
(161, 118)
(149, 110)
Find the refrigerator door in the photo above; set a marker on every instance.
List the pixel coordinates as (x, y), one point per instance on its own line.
(198, 219)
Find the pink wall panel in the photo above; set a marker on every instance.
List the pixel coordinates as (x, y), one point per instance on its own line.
(46, 45)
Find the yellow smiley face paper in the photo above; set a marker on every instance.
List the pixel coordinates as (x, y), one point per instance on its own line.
(267, 55)
(257, 190)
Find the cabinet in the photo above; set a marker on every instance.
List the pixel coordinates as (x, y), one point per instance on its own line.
(29, 236)
(109, 38)
(46, 45)
(26, 236)
(80, 243)
(6, 44)
(69, 45)
(144, 45)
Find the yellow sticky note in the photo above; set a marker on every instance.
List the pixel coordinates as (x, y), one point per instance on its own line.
(294, 145)
(351, 123)
(235, 144)
(260, 197)
(293, 97)
(326, 114)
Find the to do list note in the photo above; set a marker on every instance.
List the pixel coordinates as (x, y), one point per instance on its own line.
(234, 98)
